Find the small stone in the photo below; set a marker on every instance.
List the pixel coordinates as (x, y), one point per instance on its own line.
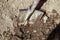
(45, 19)
(34, 31)
(27, 31)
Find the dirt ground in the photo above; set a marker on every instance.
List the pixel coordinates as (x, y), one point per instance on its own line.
(14, 27)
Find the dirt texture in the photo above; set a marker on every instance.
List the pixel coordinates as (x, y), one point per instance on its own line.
(39, 25)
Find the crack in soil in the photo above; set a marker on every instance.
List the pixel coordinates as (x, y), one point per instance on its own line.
(55, 34)
(38, 7)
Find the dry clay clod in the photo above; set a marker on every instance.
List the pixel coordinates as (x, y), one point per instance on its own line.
(30, 11)
(35, 15)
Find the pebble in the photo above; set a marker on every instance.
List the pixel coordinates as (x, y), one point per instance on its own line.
(34, 31)
(27, 31)
(45, 19)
